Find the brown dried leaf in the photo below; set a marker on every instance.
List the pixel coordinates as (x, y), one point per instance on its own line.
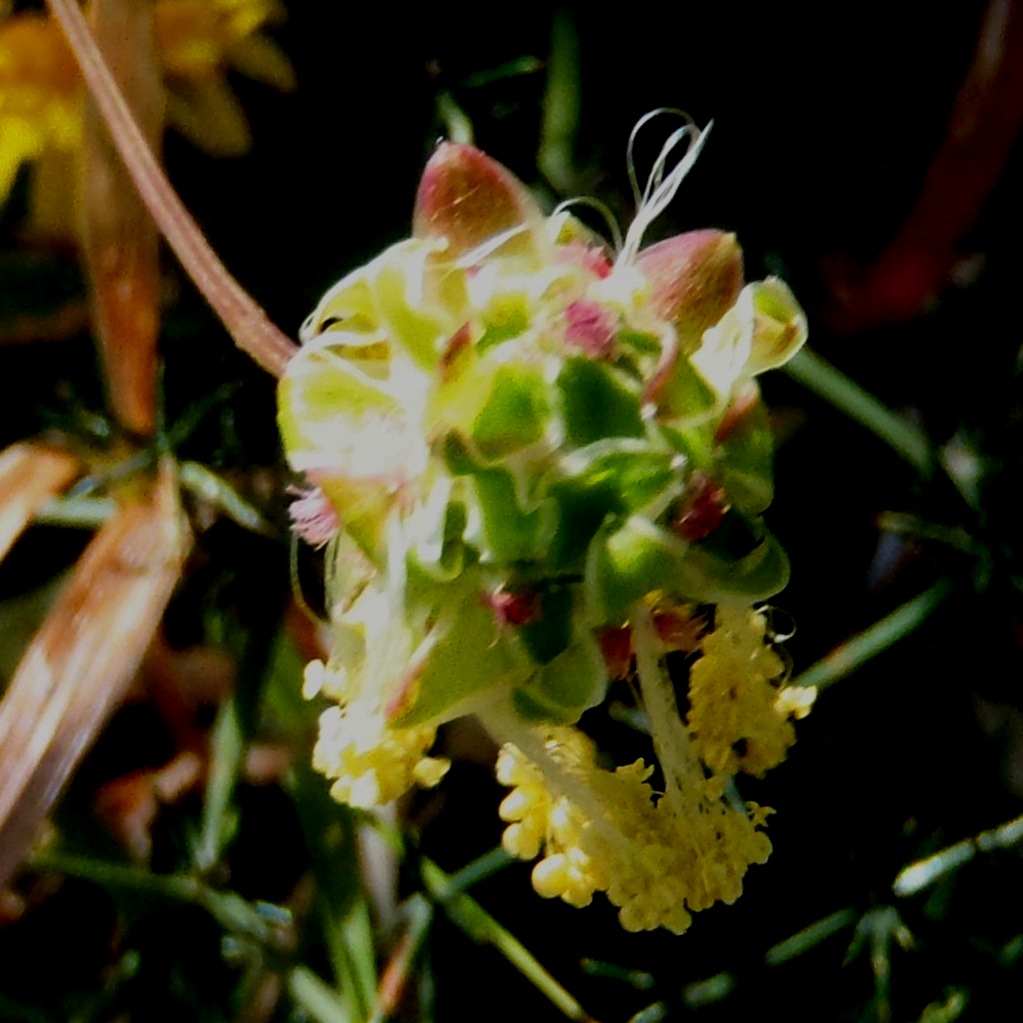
(119, 240)
(130, 804)
(79, 664)
(30, 474)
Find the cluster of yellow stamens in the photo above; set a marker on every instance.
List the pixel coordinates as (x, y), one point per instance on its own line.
(741, 713)
(371, 763)
(653, 866)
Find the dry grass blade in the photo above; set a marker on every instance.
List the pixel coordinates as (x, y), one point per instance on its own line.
(30, 474)
(119, 238)
(80, 662)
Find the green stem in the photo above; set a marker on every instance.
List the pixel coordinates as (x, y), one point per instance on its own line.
(204, 483)
(838, 390)
(809, 937)
(561, 105)
(504, 725)
(420, 916)
(926, 872)
(480, 869)
(316, 997)
(671, 740)
(227, 753)
(230, 910)
(81, 512)
(849, 656)
(469, 916)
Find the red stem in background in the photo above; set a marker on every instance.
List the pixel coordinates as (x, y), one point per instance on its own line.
(982, 128)
(244, 319)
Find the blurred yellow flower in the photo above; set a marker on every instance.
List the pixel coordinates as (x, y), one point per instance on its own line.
(42, 94)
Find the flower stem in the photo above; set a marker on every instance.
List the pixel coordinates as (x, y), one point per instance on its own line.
(671, 741)
(468, 915)
(503, 725)
(819, 376)
(928, 871)
(265, 924)
(244, 319)
(849, 656)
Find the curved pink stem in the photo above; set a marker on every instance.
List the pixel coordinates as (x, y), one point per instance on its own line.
(245, 321)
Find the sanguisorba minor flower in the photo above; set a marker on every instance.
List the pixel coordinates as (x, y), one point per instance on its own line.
(548, 464)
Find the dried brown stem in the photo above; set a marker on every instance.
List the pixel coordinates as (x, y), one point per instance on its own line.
(244, 319)
(30, 474)
(119, 238)
(80, 662)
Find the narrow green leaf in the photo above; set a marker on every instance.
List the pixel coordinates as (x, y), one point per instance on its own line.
(829, 383)
(845, 659)
(316, 997)
(470, 917)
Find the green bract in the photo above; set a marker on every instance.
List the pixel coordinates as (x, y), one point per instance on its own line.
(522, 438)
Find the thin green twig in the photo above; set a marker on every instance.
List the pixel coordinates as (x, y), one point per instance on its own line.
(231, 911)
(420, 915)
(906, 440)
(207, 485)
(561, 106)
(809, 937)
(469, 916)
(227, 751)
(928, 871)
(76, 512)
(319, 1000)
(854, 653)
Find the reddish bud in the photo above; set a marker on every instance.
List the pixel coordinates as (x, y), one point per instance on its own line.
(703, 507)
(616, 646)
(467, 198)
(695, 279)
(514, 608)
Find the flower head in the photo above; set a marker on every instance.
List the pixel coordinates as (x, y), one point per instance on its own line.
(548, 457)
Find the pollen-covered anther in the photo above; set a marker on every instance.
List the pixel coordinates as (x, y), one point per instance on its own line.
(566, 876)
(740, 715)
(371, 762)
(796, 701)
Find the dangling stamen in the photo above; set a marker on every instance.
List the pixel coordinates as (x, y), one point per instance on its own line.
(505, 726)
(671, 741)
(660, 190)
(603, 209)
